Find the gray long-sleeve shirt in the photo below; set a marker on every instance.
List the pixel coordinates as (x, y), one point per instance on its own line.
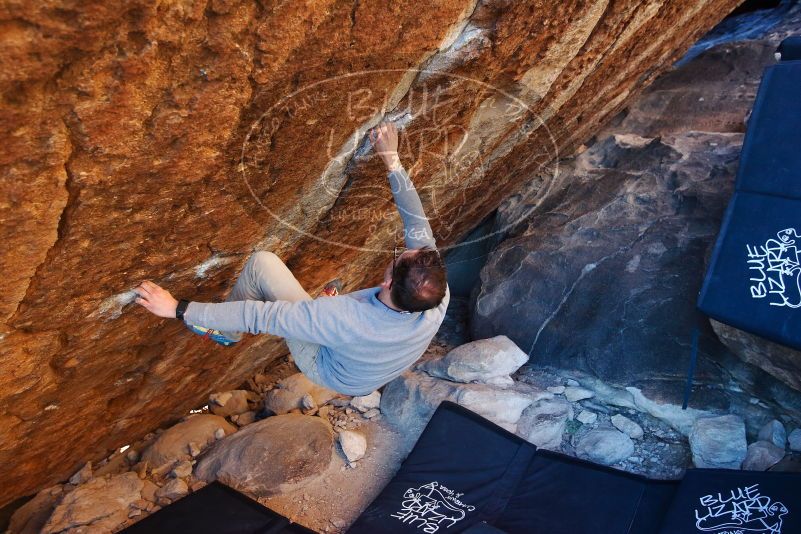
(364, 343)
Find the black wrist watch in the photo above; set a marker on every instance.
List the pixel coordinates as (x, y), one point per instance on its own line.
(181, 308)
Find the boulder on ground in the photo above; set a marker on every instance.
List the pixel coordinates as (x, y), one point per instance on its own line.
(576, 393)
(762, 455)
(173, 444)
(488, 361)
(501, 406)
(794, 440)
(264, 457)
(774, 432)
(367, 402)
(627, 426)
(233, 402)
(288, 394)
(410, 400)
(172, 490)
(544, 422)
(586, 417)
(719, 442)
(100, 505)
(354, 445)
(606, 446)
(30, 518)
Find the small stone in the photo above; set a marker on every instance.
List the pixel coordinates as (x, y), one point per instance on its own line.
(149, 490)
(556, 390)
(605, 446)
(141, 469)
(182, 470)
(246, 418)
(83, 475)
(627, 426)
(194, 449)
(372, 414)
(135, 512)
(132, 456)
(718, 442)
(795, 440)
(174, 489)
(324, 411)
(572, 383)
(587, 417)
(140, 504)
(575, 393)
(367, 402)
(354, 445)
(219, 433)
(348, 411)
(307, 402)
(230, 403)
(163, 501)
(762, 455)
(775, 433)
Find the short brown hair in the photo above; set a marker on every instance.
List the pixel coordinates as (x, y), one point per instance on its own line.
(419, 281)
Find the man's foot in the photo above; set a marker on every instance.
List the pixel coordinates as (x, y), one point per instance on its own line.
(332, 288)
(213, 335)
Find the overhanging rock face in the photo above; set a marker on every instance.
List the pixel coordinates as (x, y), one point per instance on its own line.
(167, 141)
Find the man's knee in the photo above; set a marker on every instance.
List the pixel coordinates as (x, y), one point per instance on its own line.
(262, 261)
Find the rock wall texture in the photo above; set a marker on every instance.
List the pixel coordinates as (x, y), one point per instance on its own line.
(166, 141)
(600, 268)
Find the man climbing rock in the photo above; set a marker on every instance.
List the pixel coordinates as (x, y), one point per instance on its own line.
(352, 343)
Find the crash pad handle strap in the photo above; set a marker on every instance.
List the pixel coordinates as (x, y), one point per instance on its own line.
(691, 371)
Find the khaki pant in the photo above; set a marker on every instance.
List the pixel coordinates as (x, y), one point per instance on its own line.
(266, 278)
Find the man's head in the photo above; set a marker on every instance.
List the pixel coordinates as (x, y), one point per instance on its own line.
(417, 282)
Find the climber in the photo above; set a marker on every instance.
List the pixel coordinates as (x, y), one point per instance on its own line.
(352, 343)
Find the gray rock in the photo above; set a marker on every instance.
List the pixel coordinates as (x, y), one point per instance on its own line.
(586, 417)
(182, 470)
(488, 361)
(543, 423)
(627, 426)
(575, 394)
(367, 402)
(353, 444)
(719, 442)
(172, 490)
(605, 446)
(794, 440)
(244, 419)
(556, 390)
(502, 407)
(782, 362)
(573, 383)
(762, 455)
(410, 400)
(774, 432)
(303, 446)
(172, 445)
(233, 402)
(99, 505)
(288, 394)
